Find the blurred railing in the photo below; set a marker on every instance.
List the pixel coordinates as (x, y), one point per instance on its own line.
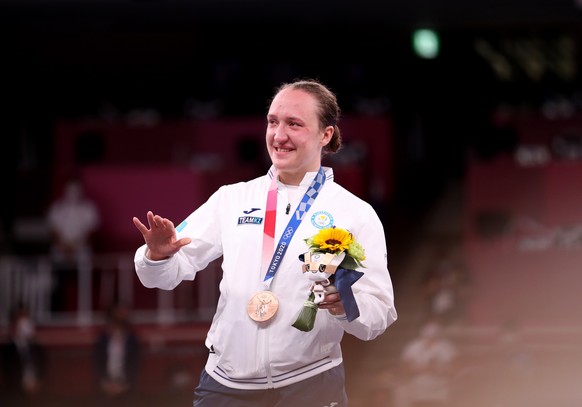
(106, 279)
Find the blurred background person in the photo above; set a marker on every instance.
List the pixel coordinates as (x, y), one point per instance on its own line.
(116, 358)
(23, 362)
(73, 220)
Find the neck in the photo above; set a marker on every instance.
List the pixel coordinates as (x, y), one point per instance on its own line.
(290, 178)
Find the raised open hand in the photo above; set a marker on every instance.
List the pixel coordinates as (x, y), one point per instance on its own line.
(160, 237)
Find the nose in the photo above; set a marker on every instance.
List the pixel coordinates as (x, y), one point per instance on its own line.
(279, 133)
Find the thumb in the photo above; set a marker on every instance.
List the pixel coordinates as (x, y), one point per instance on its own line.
(184, 241)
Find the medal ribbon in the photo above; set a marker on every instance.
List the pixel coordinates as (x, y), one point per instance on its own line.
(294, 222)
(270, 220)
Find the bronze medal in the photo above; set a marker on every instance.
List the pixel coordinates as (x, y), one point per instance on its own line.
(262, 306)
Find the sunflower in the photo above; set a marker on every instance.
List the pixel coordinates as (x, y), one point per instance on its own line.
(336, 240)
(332, 240)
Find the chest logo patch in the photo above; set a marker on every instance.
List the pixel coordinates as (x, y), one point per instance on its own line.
(253, 220)
(322, 220)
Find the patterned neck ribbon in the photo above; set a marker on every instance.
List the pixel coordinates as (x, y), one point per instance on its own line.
(270, 220)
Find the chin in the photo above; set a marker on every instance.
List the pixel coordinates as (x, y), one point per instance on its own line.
(281, 164)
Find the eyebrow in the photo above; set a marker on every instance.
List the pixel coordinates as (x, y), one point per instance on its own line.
(286, 118)
(295, 119)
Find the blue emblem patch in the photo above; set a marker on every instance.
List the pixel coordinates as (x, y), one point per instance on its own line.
(322, 220)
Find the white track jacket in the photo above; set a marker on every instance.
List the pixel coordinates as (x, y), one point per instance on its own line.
(249, 355)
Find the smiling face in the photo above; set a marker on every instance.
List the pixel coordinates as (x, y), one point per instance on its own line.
(294, 136)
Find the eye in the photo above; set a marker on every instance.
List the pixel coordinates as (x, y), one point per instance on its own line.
(306, 267)
(322, 267)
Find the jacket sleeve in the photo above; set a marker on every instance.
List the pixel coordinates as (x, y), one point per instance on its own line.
(205, 247)
(373, 292)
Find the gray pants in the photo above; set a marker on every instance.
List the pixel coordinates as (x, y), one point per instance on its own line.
(327, 389)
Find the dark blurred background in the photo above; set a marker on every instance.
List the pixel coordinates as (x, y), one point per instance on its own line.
(133, 95)
(70, 60)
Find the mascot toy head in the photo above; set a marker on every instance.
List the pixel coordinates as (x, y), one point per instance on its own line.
(320, 266)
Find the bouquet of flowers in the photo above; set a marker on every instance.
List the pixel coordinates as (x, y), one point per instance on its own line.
(330, 264)
(336, 241)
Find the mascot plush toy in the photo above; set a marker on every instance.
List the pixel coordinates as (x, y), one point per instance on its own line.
(319, 268)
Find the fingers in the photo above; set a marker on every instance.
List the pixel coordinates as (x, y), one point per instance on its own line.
(154, 222)
(334, 308)
(160, 229)
(153, 219)
(337, 311)
(329, 303)
(157, 222)
(331, 298)
(332, 303)
(140, 226)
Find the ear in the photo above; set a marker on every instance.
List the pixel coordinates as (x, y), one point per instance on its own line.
(327, 135)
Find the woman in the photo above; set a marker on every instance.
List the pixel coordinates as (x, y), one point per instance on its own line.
(257, 355)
